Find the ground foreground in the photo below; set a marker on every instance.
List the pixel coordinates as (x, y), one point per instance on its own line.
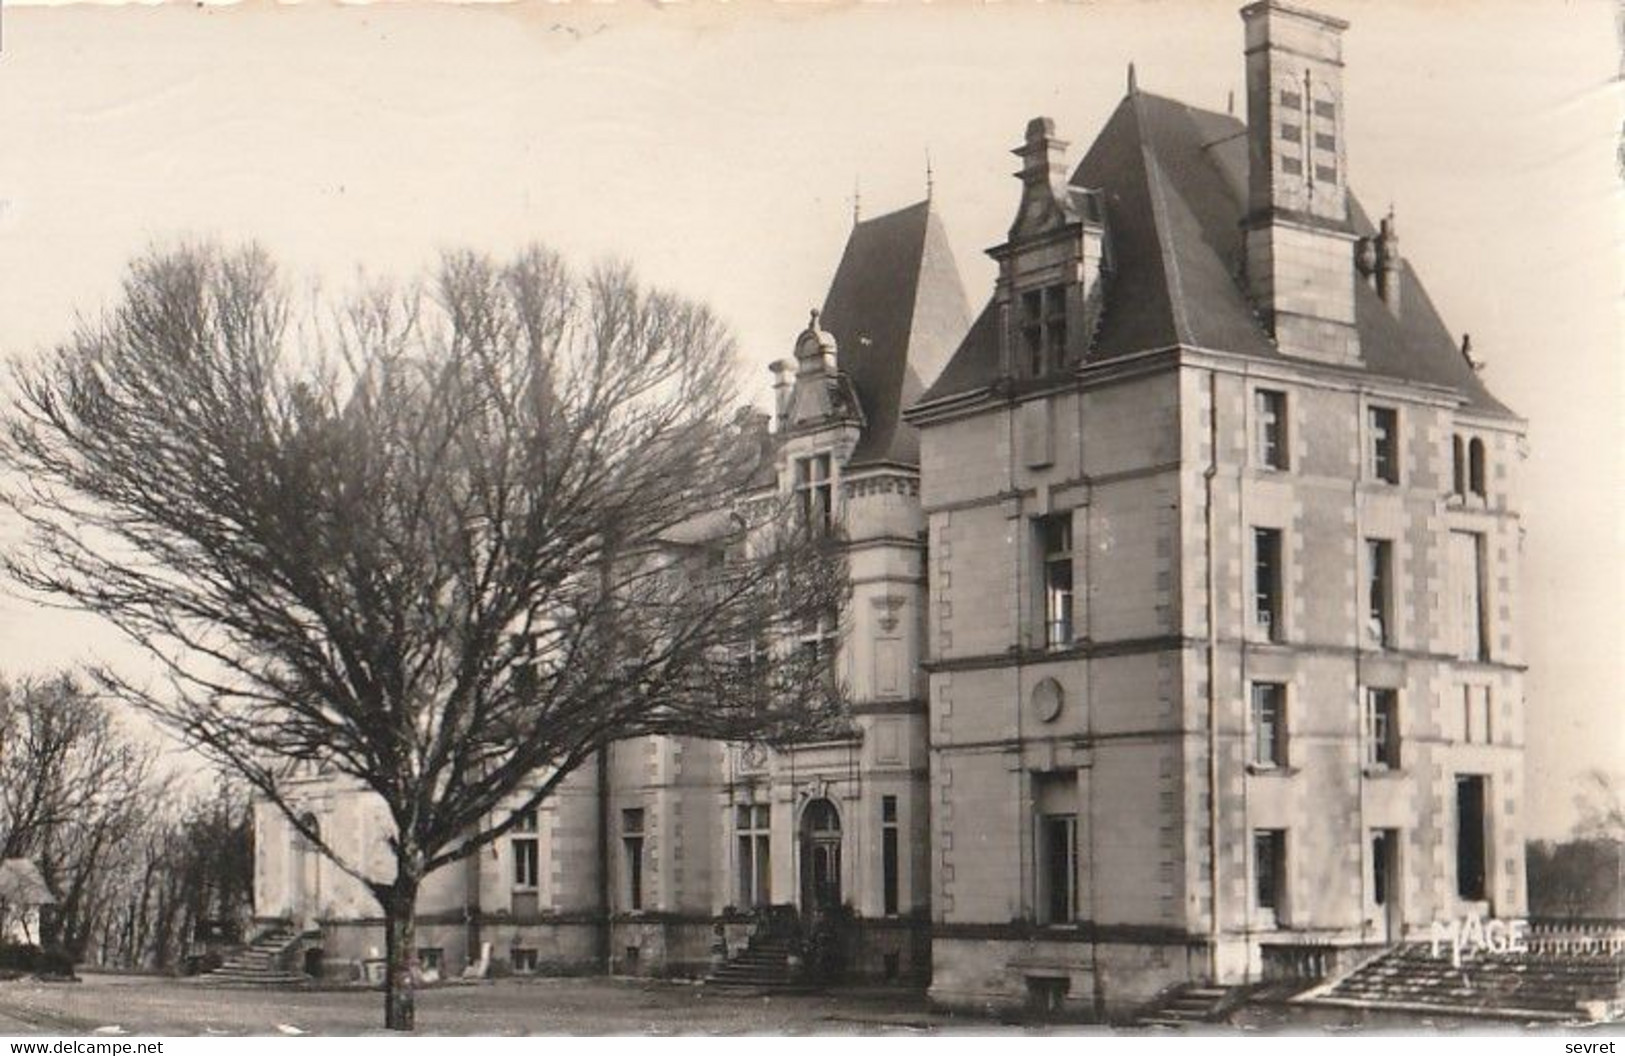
(147, 1005)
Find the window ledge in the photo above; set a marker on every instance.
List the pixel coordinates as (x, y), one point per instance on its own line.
(1383, 771)
(1266, 770)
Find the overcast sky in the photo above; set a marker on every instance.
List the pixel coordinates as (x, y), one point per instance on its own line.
(718, 148)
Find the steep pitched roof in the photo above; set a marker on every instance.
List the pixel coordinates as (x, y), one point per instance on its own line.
(21, 884)
(1174, 179)
(897, 310)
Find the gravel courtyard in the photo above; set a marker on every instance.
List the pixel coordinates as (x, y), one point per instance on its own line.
(109, 1004)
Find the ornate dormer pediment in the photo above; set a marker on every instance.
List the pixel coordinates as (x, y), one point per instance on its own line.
(1047, 203)
(821, 394)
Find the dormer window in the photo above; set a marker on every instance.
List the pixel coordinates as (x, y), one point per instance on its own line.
(1043, 329)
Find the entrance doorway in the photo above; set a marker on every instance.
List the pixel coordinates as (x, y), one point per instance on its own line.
(820, 857)
(306, 885)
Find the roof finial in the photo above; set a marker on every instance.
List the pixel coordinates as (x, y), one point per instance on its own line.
(930, 181)
(1467, 352)
(1133, 85)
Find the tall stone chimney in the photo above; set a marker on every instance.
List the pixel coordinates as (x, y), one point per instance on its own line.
(1299, 245)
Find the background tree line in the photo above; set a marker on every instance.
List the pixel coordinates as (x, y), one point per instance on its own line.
(135, 860)
(1583, 876)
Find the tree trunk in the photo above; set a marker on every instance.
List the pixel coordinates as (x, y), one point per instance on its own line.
(400, 916)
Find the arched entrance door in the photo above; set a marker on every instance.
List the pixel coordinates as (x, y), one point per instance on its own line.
(820, 856)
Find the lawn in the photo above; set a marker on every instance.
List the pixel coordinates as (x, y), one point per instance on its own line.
(148, 1005)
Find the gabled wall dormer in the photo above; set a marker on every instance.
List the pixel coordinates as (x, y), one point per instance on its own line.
(1052, 269)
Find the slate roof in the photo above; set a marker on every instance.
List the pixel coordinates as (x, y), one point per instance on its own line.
(1174, 180)
(897, 310)
(21, 884)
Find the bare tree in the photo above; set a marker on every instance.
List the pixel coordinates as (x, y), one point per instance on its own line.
(448, 540)
(72, 788)
(1601, 806)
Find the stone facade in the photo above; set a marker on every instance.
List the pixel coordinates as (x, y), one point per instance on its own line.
(1182, 641)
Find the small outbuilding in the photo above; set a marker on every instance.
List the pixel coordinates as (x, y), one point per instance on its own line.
(23, 894)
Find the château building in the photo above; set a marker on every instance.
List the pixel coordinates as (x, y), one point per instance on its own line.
(1182, 642)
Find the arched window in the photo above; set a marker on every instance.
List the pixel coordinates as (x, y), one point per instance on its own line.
(1458, 451)
(821, 816)
(311, 825)
(1475, 467)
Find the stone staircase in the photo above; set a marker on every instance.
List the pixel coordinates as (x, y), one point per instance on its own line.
(1536, 985)
(1188, 1006)
(261, 963)
(763, 966)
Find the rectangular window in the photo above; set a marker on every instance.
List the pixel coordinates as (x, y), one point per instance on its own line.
(1325, 141)
(1291, 133)
(1269, 869)
(1058, 867)
(1326, 109)
(1379, 591)
(1032, 331)
(1467, 583)
(1382, 728)
(1267, 582)
(755, 855)
(1269, 724)
(1384, 441)
(1271, 428)
(1291, 100)
(1292, 166)
(1325, 174)
(1470, 842)
(888, 855)
(815, 494)
(818, 643)
(632, 846)
(526, 857)
(1384, 864)
(1055, 549)
(1055, 327)
(431, 958)
(523, 960)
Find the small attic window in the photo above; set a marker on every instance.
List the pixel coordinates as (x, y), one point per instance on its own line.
(1475, 467)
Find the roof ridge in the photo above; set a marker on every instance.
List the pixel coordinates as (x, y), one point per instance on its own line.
(1171, 274)
(1151, 174)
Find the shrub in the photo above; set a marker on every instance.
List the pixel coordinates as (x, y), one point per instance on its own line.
(51, 963)
(17, 957)
(54, 963)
